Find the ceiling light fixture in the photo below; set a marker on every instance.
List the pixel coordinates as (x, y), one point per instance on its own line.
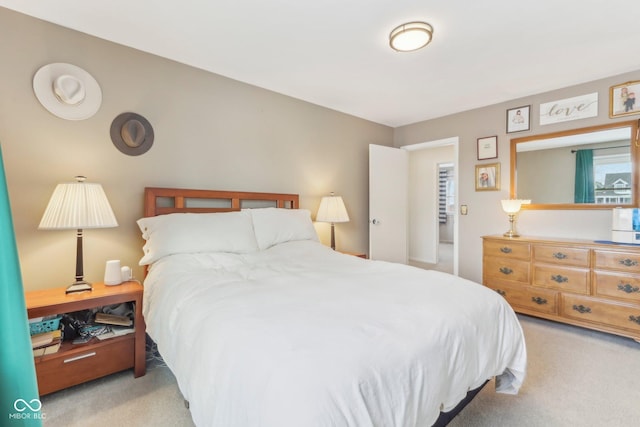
(410, 36)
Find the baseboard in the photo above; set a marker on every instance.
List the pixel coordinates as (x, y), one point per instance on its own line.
(422, 261)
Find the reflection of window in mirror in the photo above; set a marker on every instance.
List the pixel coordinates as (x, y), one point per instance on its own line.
(612, 175)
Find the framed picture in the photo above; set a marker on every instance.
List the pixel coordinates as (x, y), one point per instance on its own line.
(518, 119)
(488, 148)
(622, 99)
(488, 177)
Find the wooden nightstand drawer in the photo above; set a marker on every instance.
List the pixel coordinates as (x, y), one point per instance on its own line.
(590, 310)
(84, 363)
(578, 257)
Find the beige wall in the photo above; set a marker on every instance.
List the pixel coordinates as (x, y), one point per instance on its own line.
(210, 132)
(213, 132)
(485, 214)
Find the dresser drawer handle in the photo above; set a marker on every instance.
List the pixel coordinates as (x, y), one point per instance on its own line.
(559, 255)
(506, 250)
(559, 278)
(501, 292)
(82, 356)
(539, 300)
(635, 319)
(628, 262)
(626, 287)
(506, 270)
(581, 309)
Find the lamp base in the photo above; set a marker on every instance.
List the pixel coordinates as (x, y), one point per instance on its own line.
(80, 286)
(511, 233)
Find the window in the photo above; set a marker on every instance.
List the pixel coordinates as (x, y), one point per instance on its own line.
(612, 175)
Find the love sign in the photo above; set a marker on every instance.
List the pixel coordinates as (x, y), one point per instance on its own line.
(578, 107)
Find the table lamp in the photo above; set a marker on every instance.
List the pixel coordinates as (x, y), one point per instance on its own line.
(77, 206)
(511, 208)
(332, 210)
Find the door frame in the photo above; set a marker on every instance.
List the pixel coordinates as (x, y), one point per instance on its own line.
(455, 142)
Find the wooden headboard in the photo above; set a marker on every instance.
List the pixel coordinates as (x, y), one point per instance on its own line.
(160, 201)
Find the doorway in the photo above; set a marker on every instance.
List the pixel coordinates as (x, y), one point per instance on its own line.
(403, 219)
(433, 227)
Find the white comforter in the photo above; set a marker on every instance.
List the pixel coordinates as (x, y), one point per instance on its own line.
(300, 335)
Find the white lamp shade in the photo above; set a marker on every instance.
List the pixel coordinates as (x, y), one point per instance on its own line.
(511, 206)
(78, 205)
(332, 210)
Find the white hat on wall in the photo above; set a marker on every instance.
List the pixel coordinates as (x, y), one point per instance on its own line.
(67, 91)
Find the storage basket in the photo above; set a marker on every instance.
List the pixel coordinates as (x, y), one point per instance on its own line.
(45, 325)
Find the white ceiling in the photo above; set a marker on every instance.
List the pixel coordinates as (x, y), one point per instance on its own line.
(335, 53)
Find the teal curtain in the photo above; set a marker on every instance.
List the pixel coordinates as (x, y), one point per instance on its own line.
(585, 181)
(19, 400)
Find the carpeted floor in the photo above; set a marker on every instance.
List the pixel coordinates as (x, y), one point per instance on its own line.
(575, 377)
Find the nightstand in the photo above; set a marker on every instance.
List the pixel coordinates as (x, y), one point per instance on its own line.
(359, 255)
(78, 363)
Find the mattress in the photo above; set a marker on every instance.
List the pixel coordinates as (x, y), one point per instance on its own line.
(301, 335)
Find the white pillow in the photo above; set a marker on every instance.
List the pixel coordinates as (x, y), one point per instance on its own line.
(195, 233)
(276, 225)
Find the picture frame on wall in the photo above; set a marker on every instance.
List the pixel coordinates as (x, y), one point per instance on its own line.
(488, 177)
(622, 99)
(488, 148)
(519, 119)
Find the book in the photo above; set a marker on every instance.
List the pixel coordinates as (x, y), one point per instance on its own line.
(116, 331)
(45, 338)
(50, 349)
(112, 319)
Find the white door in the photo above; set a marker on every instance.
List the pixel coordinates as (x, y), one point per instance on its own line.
(388, 203)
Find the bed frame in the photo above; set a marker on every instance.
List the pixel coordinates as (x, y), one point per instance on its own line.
(161, 201)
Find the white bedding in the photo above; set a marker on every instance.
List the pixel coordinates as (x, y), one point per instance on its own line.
(300, 335)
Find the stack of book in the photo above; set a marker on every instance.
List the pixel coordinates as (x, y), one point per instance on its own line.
(46, 342)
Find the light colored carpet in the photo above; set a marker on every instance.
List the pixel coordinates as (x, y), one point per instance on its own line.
(575, 377)
(445, 260)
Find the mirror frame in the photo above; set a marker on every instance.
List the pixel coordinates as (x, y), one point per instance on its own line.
(635, 157)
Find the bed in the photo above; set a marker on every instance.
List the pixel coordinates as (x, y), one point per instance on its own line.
(262, 325)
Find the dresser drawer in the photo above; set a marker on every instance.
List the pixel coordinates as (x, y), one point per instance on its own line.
(542, 300)
(622, 261)
(502, 269)
(561, 278)
(578, 257)
(623, 286)
(84, 363)
(623, 316)
(507, 249)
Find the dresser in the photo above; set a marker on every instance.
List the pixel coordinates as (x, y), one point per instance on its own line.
(580, 282)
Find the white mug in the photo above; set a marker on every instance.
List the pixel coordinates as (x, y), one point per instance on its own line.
(126, 273)
(112, 273)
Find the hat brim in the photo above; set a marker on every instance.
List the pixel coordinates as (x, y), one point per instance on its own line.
(43, 89)
(142, 145)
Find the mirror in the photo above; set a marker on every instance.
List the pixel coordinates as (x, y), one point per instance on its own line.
(588, 168)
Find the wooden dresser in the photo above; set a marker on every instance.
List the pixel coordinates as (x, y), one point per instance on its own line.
(579, 282)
